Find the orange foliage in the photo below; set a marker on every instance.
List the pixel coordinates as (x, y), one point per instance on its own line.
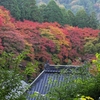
(43, 39)
(5, 18)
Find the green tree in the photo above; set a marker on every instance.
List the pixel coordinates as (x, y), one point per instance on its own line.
(52, 13)
(72, 17)
(24, 8)
(29, 10)
(93, 22)
(69, 17)
(81, 19)
(34, 11)
(12, 5)
(41, 9)
(14, 9)
(10, 77)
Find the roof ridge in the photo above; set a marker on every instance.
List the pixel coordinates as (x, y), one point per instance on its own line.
(59, 67)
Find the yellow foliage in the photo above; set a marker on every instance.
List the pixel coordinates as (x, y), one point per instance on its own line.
(86, 98)
(6, 18)
(52, 33)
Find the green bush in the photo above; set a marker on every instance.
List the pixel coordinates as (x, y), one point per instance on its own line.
(10, 77)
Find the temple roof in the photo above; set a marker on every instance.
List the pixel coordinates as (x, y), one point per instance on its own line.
(51, 76)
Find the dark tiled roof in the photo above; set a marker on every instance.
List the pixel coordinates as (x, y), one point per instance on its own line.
(50, 77)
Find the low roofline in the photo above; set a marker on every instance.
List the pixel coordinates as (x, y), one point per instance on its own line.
(48, 67)
(57, 68)
(65, 65)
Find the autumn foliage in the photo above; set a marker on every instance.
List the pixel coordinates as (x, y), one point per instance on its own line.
(46, 41)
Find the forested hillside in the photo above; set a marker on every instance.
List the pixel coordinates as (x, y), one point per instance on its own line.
(32, 34)
(47, 41)
(52, 12)
(75, 5)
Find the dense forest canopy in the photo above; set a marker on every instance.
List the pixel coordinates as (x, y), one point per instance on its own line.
(52, 12)
(47, 41)
(75, 5)
(47, 33)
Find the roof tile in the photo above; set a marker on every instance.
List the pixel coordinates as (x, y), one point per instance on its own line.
(49, 78)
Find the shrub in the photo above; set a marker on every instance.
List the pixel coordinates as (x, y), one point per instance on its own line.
(10, 77)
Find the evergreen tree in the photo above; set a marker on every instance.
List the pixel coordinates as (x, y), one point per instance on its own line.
(93, 22)
(12, 5)
(81, 19)
(24, 8)
(29, 10)
(52, 13)
(68, 17)
(34, 11)
(41, 9)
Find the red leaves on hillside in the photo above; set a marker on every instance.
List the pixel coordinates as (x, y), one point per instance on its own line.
(1, 21)
(12, 41)
(1, 46)
(46, 41)
(6, 21)
(77, 39)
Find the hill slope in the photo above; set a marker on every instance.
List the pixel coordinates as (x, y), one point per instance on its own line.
(47, 41)
(75, 5)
